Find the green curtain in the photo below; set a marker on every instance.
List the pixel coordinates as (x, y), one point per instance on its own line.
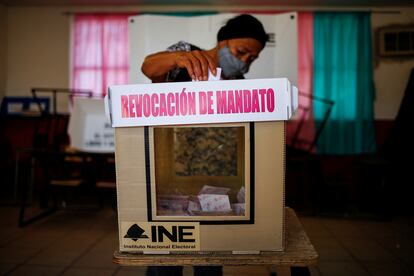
(343, 73)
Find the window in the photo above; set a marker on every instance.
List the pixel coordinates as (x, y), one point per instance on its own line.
(99, 52)
(396, 41)
(202, 173)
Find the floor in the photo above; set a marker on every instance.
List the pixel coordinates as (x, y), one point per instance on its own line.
(81, 242)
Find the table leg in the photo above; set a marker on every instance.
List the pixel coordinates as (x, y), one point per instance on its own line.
(16, 176)
(285, 270)
(299, 271)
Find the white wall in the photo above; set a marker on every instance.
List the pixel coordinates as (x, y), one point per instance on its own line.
(391, 76)
(3, 49)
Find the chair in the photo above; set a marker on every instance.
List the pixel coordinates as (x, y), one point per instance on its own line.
(52, 170)
(67, 170)
(303, 165)
(296, 141)
(105, 180)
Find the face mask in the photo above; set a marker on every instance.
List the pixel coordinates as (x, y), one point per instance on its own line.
(232, 66)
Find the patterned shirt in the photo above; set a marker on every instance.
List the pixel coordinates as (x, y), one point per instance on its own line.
(180, 74)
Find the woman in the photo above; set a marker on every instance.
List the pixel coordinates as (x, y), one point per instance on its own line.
(239, 43)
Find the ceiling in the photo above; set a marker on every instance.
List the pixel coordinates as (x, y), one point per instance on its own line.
(235, 3)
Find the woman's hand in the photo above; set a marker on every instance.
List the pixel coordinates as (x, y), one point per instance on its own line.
(197, 64)
(156, 66)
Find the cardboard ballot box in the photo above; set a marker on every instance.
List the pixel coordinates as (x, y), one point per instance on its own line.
(200, 165)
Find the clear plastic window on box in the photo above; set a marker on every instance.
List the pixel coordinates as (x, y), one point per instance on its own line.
(201, 172)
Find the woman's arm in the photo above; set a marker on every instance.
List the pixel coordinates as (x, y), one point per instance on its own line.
(156, 66)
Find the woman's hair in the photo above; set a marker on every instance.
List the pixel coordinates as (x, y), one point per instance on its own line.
(243, 26)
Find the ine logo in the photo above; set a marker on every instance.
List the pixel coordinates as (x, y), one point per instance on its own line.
(162, 233)
(135, 232)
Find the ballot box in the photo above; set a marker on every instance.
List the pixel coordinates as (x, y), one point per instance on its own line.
(200, 166)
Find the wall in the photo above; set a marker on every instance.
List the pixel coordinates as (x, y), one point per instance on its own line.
(391, 76)
(38, 45)
(3, 49)
(38, 42)
(38, 51)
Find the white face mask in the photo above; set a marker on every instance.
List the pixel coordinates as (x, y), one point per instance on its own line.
(232, 66)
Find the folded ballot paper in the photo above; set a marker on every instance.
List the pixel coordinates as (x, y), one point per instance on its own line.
(214, 190)
(211, 77)
(172, 204)
(241, 195)
(214, 199)
(239, 208)
(210, 200)
(214, 203)
(194, 205)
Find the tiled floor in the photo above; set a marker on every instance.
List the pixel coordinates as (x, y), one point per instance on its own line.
(82, 242)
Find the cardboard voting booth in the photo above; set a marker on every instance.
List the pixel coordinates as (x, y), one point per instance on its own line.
(89, 128)
(201, 165)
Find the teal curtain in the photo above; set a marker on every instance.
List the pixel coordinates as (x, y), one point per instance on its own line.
(343, 73)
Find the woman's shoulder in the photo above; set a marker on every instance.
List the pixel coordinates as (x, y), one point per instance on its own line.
(182, 46)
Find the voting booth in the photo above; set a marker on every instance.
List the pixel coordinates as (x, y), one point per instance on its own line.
(200, 166)
(89, 128)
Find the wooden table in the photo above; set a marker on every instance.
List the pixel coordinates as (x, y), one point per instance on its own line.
(299, 252)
